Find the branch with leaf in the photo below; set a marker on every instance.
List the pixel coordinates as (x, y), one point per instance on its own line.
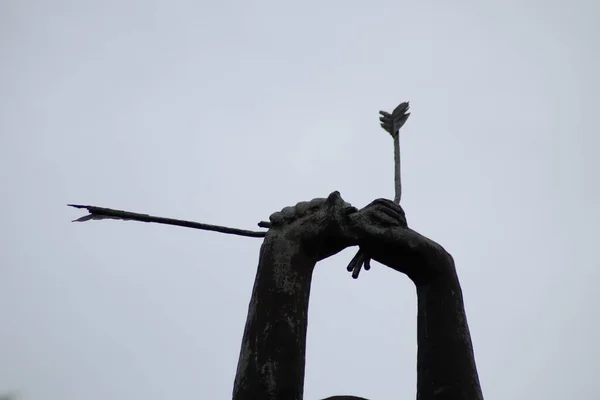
(391, 123)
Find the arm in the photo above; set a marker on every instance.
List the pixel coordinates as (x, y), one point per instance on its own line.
(274, 343)
(272, 356)
(445, 361)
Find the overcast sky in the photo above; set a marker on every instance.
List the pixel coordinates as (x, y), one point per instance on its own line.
(224, 112)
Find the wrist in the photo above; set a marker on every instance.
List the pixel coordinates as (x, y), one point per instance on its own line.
(284, 260)
(406, 251)
(439, 269)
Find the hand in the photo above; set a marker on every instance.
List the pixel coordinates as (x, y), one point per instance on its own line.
(383, 234)
(321, 227)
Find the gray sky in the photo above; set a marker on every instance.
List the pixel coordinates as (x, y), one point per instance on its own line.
(224, 112)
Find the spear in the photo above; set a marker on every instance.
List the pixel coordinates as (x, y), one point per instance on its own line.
(98, 213)
(391, 123)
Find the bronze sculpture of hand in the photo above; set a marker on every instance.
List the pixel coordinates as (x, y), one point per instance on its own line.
(381, 231)
(321, 226)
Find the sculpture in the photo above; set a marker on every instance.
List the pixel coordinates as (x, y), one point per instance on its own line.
(271, 364)
(272, 355)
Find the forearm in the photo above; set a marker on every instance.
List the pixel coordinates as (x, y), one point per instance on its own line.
(271, 364)
(445, 362)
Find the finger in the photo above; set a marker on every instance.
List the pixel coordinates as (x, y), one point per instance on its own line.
(367, 265)
(385, 114)
(359, 264)
(386, 216)
(358, 261)
(388, 203)
(392, 211)
(354, 261)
